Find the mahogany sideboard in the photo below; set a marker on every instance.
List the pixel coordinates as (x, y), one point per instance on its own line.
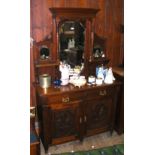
(68, 113)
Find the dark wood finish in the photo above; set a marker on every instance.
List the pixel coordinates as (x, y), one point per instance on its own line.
(119, 122)
(73, 13)
(65, 121)
(66, 113)
(34, 149)
(98, 115)
(69, 113)
(32, 80)
(85, 15)
(49, 66)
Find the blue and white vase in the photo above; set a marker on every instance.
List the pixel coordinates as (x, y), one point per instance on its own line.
(99, 72)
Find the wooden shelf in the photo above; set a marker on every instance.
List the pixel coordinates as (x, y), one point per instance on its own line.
(47, 65)
(103, 61)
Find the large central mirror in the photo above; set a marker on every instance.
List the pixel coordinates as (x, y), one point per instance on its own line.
(71, 43)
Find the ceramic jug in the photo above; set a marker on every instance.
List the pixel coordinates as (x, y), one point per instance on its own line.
(64, 69)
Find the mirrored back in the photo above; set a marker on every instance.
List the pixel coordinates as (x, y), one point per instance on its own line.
(71, 43)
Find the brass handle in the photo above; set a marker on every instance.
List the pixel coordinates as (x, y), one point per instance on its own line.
(103, 93)
(80, 120)
(65, 99)
(85, 118)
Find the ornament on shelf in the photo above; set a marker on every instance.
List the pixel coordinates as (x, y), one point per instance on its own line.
(109, 78)
(64, 69)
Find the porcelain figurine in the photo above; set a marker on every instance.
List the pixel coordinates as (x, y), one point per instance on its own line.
(99, 73)
(71, 43)
(109, 76)
(64, 69)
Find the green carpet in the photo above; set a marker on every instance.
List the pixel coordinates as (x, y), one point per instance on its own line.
(112, 150)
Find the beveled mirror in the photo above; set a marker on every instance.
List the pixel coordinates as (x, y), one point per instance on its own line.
(71, 43)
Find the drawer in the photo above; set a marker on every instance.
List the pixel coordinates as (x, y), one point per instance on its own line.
(65, 97)
(62, 106)
(100, 92)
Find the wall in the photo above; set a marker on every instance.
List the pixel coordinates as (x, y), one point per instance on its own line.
(108, 22)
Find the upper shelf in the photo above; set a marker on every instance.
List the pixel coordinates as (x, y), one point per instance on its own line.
(47, 65)
(101, 60)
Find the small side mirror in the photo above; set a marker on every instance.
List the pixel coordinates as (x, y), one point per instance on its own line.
(44, 52)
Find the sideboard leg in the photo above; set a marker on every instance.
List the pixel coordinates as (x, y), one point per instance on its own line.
(46, 148)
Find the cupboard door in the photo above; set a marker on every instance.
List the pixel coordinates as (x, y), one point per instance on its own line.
(65, 122)
(98, 115)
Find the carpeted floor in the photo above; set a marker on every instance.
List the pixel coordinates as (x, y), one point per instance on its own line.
(93, 142)
(110, 150)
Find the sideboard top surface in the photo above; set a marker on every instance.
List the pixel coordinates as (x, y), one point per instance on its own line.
(70, 88)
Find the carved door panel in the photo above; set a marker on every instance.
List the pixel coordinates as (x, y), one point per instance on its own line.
(65, 121)
(98, 115)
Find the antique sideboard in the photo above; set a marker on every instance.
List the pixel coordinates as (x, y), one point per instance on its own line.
(68, 113)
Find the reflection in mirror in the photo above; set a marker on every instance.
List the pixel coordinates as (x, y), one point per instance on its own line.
(71, 43)
(44, 52)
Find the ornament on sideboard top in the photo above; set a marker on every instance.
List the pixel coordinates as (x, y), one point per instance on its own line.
(64, 69)
(109, 76)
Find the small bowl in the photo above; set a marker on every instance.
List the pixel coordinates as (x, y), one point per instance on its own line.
(91, 79)
(82, 77)
(79, 82)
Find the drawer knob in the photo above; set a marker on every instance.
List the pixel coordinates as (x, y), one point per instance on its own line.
(103, 93)
(65, 99)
